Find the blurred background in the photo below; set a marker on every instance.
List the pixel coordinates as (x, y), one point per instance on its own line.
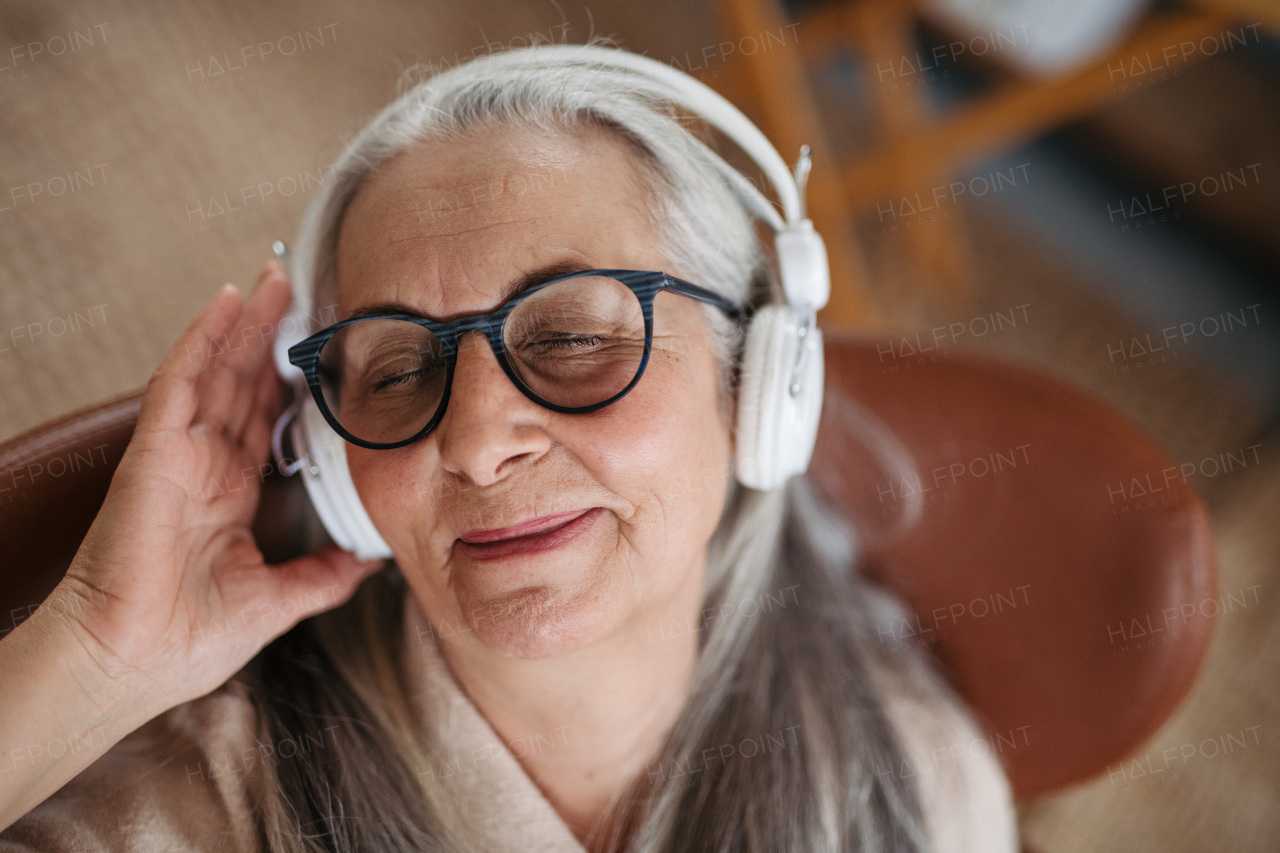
(1090, 187)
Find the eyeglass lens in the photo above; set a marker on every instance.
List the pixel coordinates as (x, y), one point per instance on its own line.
(574, 344)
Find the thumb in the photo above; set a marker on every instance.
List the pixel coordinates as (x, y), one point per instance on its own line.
(320, 581)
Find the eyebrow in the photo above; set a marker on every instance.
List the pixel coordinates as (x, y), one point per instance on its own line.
(511, 291)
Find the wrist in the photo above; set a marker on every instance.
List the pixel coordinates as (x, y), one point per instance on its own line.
(58, 714)
(56, 656)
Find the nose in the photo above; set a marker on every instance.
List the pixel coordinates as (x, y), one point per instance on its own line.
(489, 426)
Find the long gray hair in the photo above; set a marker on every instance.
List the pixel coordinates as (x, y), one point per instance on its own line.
(796, 665)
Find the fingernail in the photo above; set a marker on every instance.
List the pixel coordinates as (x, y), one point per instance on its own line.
(225, 293)
(269, 270)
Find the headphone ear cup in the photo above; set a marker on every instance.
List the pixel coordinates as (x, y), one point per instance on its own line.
(776, 429)
(328, 481)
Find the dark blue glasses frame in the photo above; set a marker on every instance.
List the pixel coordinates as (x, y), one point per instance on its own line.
(644, 284)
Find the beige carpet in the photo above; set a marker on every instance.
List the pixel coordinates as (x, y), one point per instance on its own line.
(121, 146)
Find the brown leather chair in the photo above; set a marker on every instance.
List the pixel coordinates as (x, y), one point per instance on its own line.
(1055, 559)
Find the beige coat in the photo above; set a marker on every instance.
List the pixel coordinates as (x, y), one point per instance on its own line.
(183, 782)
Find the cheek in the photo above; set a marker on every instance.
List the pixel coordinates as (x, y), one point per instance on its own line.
(668, 452)
(398, 494)
(659, 435)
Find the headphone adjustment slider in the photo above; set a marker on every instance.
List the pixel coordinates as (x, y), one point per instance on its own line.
(794, 386)
(287, 467)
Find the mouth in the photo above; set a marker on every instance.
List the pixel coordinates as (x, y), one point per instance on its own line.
(539, 534)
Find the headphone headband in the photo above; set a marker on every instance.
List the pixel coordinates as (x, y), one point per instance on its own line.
(691, 94)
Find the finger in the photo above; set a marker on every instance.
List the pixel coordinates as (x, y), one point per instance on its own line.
(216, 387)
(318, 582)
(256, 437)
(266, 307)
(227, 398)
(262, 394)
(171, 399)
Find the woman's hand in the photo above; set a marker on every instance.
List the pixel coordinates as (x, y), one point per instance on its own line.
(169, 594)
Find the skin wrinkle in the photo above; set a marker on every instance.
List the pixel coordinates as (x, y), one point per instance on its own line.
(458, 233)
(561, 636)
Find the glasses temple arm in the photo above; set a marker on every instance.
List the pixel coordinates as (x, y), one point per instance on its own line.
(704, 295)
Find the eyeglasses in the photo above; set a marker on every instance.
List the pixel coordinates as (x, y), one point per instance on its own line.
(574, 343)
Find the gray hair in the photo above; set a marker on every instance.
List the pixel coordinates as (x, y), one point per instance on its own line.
(803, 667)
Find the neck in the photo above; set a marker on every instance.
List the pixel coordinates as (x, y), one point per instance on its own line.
(586, 723)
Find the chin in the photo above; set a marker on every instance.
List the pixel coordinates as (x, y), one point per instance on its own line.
(540, 622)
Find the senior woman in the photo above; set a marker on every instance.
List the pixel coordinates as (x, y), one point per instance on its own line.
(560, 656)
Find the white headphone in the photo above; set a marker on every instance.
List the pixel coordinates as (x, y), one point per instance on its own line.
(780, 390)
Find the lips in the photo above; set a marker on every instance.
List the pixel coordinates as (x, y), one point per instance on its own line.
(539, 534)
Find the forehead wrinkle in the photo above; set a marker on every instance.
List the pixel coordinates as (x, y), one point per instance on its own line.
(391, 241)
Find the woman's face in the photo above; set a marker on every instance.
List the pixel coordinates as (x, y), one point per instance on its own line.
(443, 229)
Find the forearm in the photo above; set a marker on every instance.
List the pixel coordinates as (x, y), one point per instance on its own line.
(58, 712)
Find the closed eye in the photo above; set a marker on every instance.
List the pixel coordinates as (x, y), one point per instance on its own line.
(391, 380)
(568, 342)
